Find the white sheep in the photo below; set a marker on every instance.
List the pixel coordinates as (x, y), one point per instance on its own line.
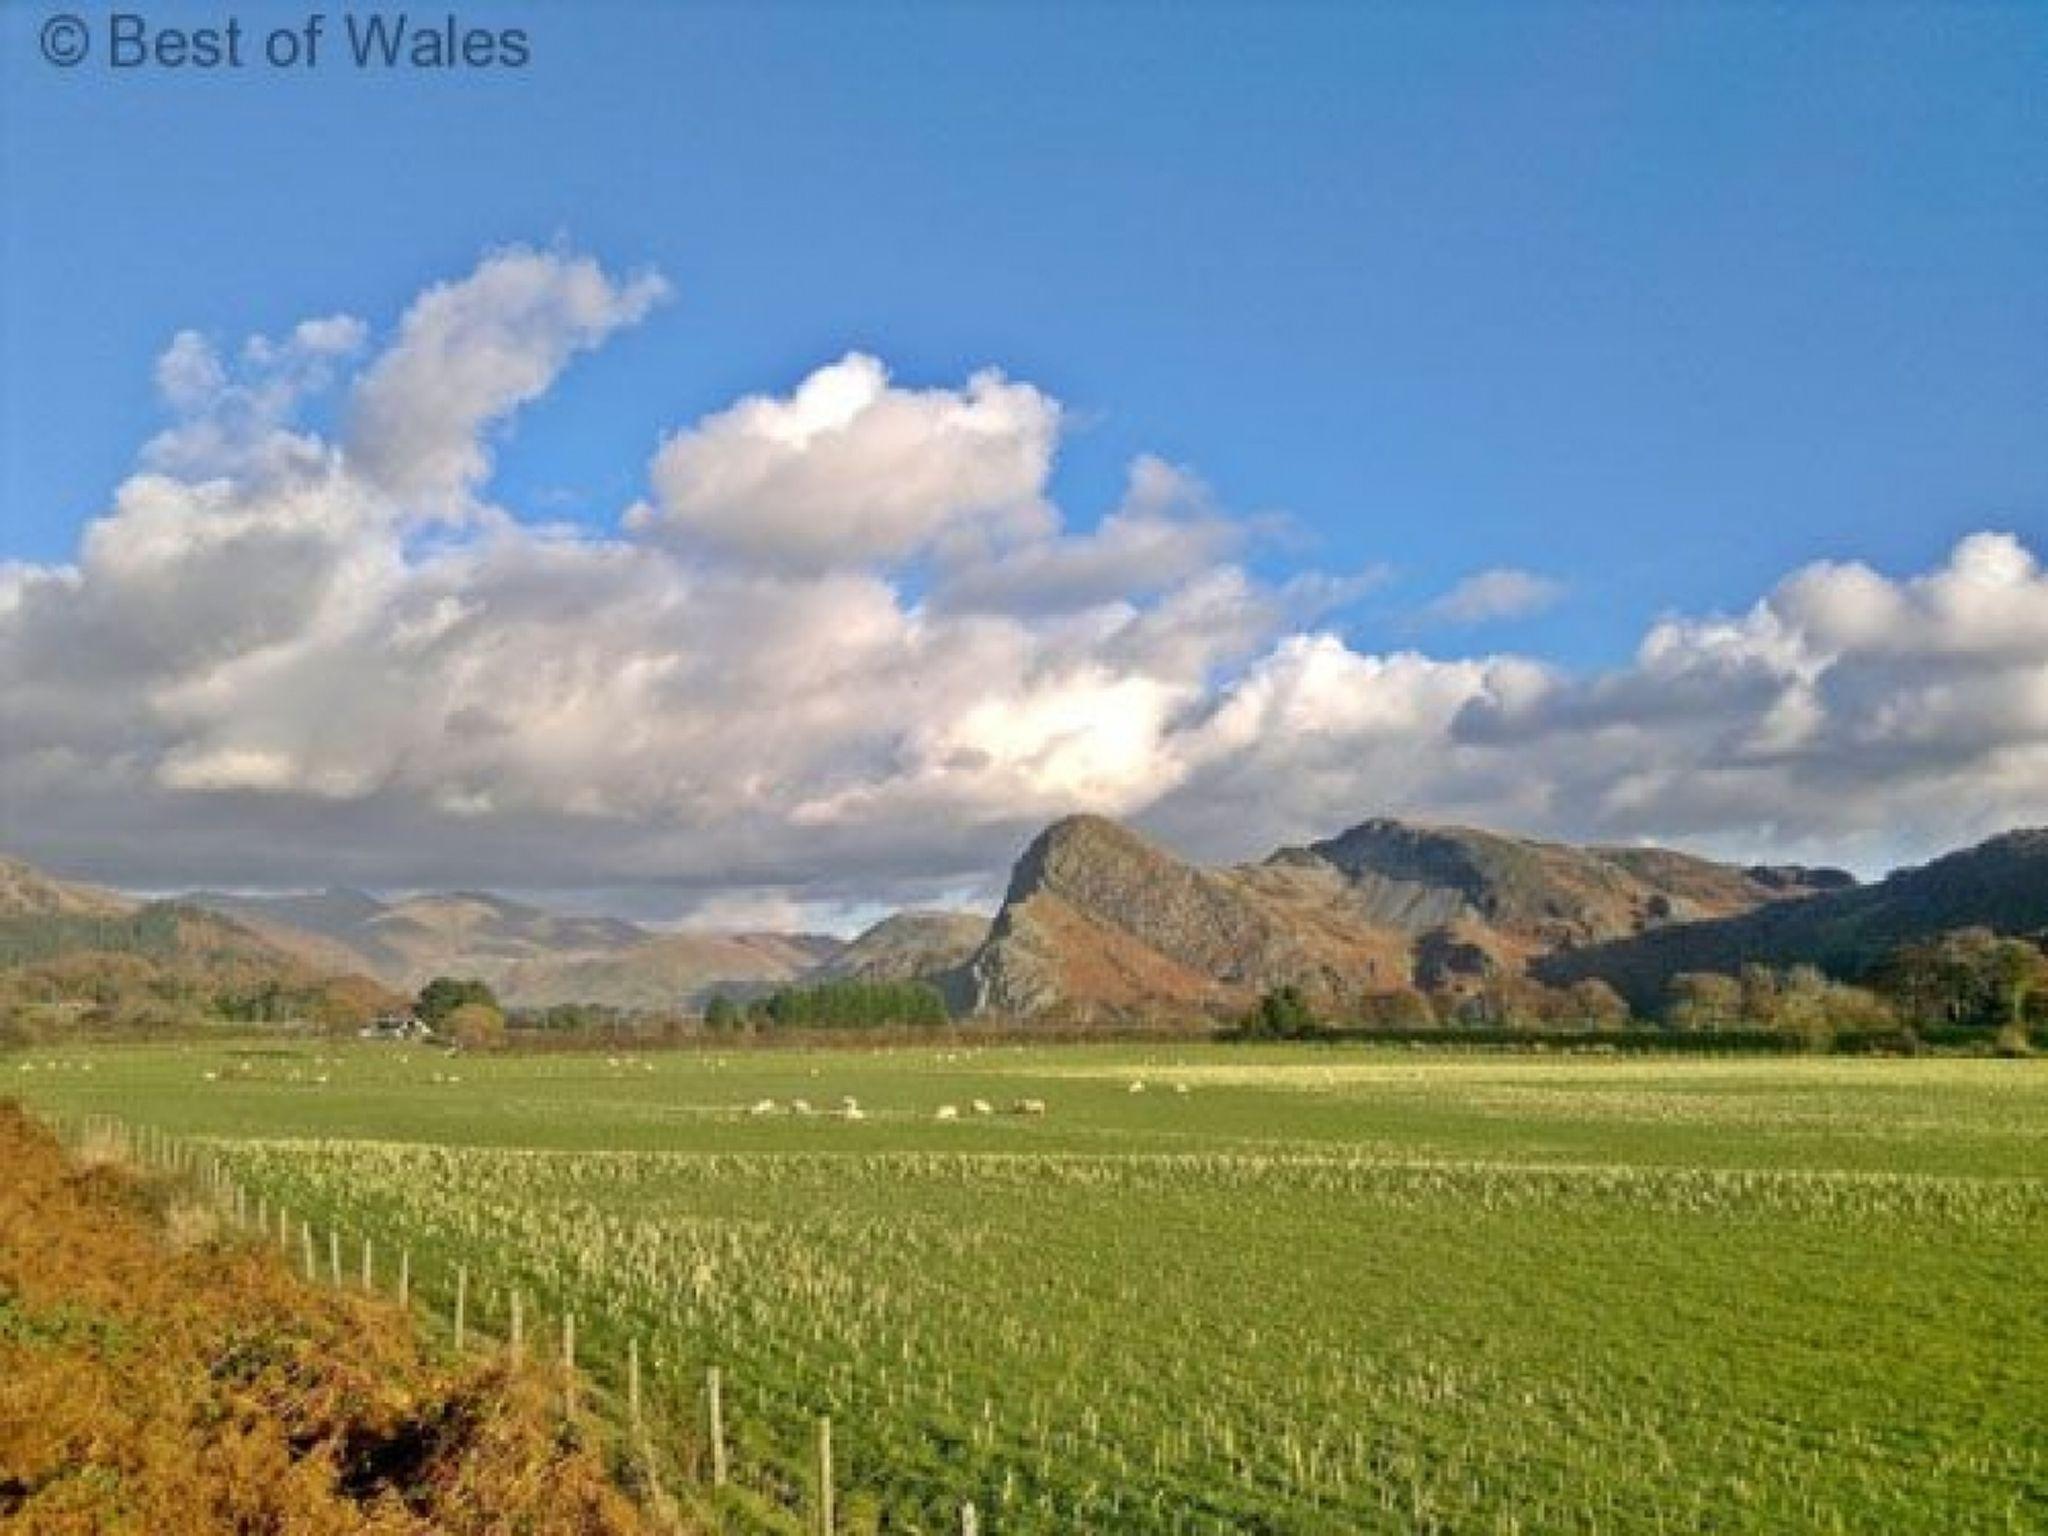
(1138, 1086)
(947, 1112)
(849, 1102)
(1030, 1106)
(983, 1107)
(763, 1107)
(853, 1112)
(799, 1106)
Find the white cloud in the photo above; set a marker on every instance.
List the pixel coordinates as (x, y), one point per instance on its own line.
(469, 353)
(851, 469)
(1500, 593)
(273, 661)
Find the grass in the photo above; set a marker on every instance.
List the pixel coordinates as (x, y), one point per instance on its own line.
(154, 1379)
(1320, 1290)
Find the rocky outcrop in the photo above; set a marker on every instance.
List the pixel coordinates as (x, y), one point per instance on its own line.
(1099, 921)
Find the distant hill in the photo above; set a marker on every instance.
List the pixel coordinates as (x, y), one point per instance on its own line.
(532, 958)
(907, 946)
(1098, 920)
(2001, 884)
(669, 971)
(26, 891)
(71, 947)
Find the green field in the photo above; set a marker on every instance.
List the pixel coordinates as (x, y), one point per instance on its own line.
(1278, 1290)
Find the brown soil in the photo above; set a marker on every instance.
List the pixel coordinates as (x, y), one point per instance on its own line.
(158, 1380)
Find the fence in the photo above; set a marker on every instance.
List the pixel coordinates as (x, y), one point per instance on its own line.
(581, 1392)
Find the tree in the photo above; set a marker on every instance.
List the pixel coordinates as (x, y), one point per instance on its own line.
(1282, 1014)
(476, 1026)
(440, 997)
(1700, 1000)
(721, 1014)
(1597, 1005)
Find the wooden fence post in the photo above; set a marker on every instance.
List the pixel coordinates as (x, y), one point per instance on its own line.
(461, 1302)
(334, 1254)
(518, 1328)
(569, 1363)
(970, 1522)
(826, 1514)
(306, 1243)
(633, 1382)
(714, 1397)
(369, 1275)
(404, 1277)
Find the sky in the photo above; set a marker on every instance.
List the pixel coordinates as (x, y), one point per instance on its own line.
(769, 460)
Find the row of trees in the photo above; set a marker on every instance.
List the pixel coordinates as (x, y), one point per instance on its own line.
(1968, 978)
(1500, 1002)
(832, 1005)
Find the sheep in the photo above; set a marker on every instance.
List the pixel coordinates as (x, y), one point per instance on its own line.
(799, 1106)
(1138, 1086)
(853, 1112)
(947, 1112)
(763, 1107)
(1180, 1087)
(1030, 1106)
(849, 1102)
(983, 1107)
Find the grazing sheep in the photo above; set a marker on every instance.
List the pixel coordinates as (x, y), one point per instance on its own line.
(849, 1102)
(947, 1112)
(1180, 1087)
(1138, 1086)
(763, 1107)
(1030, 1106)
(799, 1106)
(983, 1107)
(853, 1112)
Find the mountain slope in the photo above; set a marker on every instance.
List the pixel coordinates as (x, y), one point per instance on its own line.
(668, 971)
(532, 958)
(907, 946)
(1099, 920)
(26, 891)
(2001, 884)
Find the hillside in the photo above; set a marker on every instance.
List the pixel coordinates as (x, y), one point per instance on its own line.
(907, 946)
(667, 971)
(73, 954)
(2001, 884)
(1100, 920)
(161, 1376)
(27, 892)
(532, 957)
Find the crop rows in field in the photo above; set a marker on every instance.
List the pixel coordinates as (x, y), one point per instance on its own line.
(1230, 1341)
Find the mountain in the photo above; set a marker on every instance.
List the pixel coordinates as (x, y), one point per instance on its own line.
(532, 958)
(1098, 920)
(677, 970)
(907, 946)
(69, 948)
(26, 892)
(2001, 884)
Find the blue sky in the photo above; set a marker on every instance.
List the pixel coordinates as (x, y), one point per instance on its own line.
(1659, 301)
(1651, 308)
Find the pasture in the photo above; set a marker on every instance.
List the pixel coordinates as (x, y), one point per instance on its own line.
(1215, 1289)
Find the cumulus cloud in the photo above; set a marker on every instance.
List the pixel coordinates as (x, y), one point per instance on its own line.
(852, 469)
(469, 353)
(850, 652)
(1500, 593)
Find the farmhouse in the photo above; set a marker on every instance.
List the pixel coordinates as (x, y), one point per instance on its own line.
(396, 1026)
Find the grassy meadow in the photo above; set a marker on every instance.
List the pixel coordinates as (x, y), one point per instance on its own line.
(1288, 1289)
